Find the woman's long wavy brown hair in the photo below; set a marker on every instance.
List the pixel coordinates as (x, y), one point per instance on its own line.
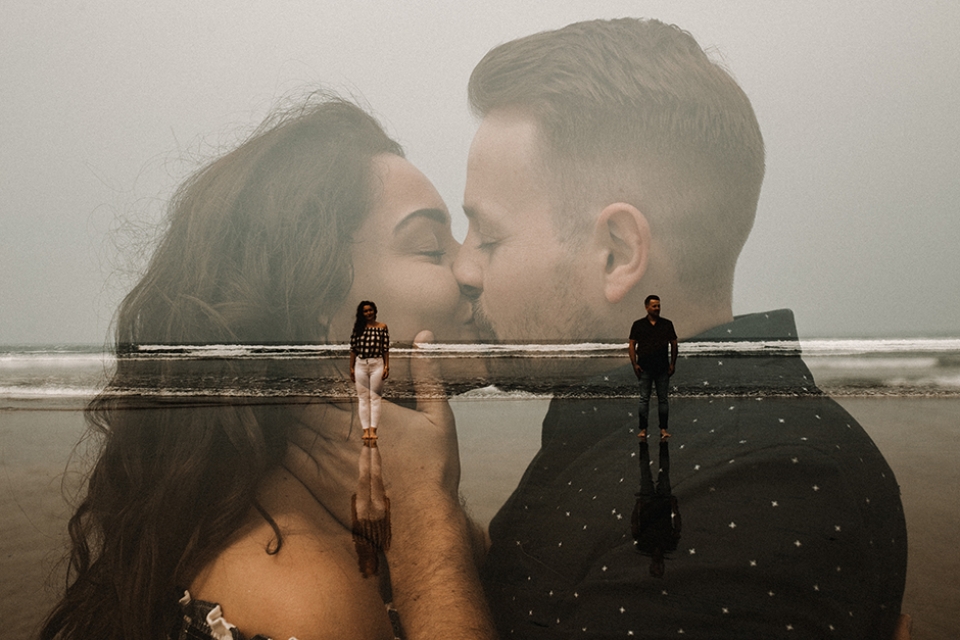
(257, 251)
(360, 322)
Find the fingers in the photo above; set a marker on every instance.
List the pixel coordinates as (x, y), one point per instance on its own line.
(322, 456)
(422, 367)
(330, 481)
(431, 398)
(902, 631)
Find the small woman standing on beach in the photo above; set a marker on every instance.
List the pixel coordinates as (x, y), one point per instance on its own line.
(369, 364)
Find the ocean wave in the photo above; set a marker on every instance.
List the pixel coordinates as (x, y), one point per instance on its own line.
(809, 347)
(871, 363)
(492, 391)
(53, 360)
(60, 391)
(846, 367)
(877, 346)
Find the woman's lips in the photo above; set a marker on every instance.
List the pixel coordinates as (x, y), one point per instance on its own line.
(471, 331)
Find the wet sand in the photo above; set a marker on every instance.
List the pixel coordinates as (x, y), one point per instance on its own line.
(920, 438)
(35, 446)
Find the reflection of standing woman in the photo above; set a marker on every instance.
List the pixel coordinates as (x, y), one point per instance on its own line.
(369, 364)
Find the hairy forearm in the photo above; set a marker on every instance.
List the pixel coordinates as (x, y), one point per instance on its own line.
(479, 541)
(436, 587)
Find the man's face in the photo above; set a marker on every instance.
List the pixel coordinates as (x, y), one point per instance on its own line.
(653, 308)
(526, 284)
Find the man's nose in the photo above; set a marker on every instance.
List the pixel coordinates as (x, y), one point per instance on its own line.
(470, 292)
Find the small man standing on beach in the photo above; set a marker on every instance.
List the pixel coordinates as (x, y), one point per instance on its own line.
(649, 337)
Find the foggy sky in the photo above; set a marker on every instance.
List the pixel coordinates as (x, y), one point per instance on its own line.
(106, 106)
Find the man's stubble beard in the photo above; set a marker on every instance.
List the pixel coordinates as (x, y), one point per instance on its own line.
(482, 322)
(564, 318)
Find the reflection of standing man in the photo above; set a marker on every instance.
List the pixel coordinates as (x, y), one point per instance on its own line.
(655, 522)
(649, 338)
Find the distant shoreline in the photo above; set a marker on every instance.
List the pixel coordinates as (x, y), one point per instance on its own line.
(68, 376)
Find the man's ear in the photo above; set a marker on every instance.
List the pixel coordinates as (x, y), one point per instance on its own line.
(622, 235)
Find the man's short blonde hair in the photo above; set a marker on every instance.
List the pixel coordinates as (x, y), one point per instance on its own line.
(634, 111)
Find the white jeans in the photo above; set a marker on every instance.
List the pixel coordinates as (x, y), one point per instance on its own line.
(369, 375)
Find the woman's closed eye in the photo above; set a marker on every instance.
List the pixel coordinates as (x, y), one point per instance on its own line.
(425, 234)
(435, 255)
(423, 243)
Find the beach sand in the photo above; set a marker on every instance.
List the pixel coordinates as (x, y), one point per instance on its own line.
(35, 446)
(920, 438)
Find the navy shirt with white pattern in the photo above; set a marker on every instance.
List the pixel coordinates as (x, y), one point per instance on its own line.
(792, 520)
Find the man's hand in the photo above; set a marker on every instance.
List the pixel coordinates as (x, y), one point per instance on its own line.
(632, 352)
(436, 588)
(322, 452)
(902, 632)
(674, 351)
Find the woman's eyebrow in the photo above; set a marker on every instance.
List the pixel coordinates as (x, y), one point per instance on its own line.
(437, 215)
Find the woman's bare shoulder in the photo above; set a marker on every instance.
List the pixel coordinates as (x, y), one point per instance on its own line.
(311, 589)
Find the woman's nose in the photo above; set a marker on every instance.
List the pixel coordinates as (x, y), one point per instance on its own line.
(468, 271)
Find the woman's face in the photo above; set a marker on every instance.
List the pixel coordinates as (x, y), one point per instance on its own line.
(402, 258)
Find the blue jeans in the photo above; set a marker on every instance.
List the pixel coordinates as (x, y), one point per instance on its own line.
(647, 382)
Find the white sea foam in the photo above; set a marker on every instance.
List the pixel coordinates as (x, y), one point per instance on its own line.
(813, 347)
(833, 347)
(241, 351)
(59, 391)
(62, 360)
(909, 366)
(870, 363)
(492, 391)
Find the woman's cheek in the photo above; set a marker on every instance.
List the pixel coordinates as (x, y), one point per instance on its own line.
(410, 298)
(418, 295)
(453, 312)
(437, 301)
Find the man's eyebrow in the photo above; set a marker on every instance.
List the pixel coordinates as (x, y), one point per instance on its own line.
(476, 216)
(437, 215)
